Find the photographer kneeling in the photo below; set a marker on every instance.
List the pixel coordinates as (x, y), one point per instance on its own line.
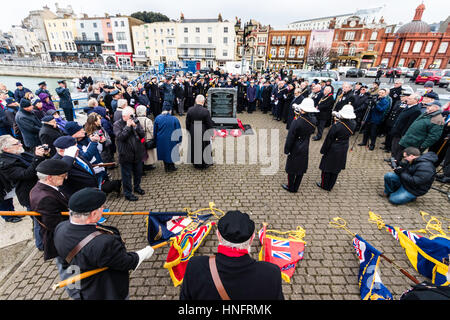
(412, 178)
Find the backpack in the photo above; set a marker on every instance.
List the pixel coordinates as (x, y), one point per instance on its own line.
(427, 291)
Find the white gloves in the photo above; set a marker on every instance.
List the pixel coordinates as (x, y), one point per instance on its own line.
(144, 254)
(71, 151)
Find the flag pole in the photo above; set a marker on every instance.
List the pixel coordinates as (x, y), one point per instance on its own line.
(66, 213)
(90, 273)
(264, 241)
(343, 225)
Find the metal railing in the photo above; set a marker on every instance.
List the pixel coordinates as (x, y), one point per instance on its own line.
(73, 65)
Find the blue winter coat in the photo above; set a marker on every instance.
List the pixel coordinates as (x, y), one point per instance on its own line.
(251, 93)
(106, 124)
(19, 94)
(29, 125)
(168, 93)
(163, 127)
(65, 100)
(377, 112)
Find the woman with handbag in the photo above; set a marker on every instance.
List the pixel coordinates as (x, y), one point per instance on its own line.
(147, 124)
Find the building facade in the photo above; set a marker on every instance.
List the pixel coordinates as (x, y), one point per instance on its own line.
(25, 42)
(61, 33)
(256, 42)
(319, 49)
(89, 39)
(288, 49)
(414, 45)
(357, 43)
(121, 27)
(210, 42)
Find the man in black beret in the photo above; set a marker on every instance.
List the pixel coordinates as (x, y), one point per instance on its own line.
(104, 249)
(242, 277)
(47, 199)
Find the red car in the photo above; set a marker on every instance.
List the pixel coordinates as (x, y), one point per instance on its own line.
(429, 75)
(397, 70)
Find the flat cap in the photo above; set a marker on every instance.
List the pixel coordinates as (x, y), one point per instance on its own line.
(87, 200)
(35, 101)
(53, 167)
(25, 103)
(47, 118)
(65, 142)
(72, 127)
(43, 83)
(10, 100)
(432, 95)
(18, 84)
(61, 81)
(236, 227)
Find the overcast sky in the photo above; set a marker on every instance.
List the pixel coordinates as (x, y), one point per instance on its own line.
(274, 12)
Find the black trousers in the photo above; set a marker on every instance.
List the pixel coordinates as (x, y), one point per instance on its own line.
(328, 180)
(294, 181)
(320, 127)
(388, 139)
(397, 149)
(370, 130)
(251, 106)
(128, 170)
(68, 113)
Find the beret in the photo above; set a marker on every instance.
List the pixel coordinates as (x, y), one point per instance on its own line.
(47, 118)
(65, 142)
(25, 103)
(429, 84)
(42, 83)
(10, 100)
(87, 200)
(35, 101)
(432, 95)
(61, 81)
(236, 227)
(72, 127)
(434, 103)
(53, 167)
(18, 84)
(51, 112)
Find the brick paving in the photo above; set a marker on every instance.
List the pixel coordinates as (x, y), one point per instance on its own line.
(329, 269)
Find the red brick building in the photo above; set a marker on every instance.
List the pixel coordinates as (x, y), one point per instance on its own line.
(356, 43)
(287, 49)
(415, 46)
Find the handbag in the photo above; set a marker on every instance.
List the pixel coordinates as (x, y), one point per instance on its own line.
(150, 144)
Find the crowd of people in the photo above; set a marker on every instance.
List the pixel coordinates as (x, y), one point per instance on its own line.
(54, 164)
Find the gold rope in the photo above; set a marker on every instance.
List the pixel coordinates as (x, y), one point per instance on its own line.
(433, 224)
(297, 234)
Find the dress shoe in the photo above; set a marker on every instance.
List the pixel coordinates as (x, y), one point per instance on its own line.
(139, 191)
(361, 144)
(149, 167)
(316, 138)
(13, 219)
(371, 148)
(131, 197)
(443, 179)
(285, 187)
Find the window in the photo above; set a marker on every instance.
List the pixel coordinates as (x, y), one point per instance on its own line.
(350, 35)
(429, 46)
(385, 61)
(352, 51)
(81, 25)
(303, 40)
(340, 50)
(186, 39)
(209, 39)
(225, 40)
(110, 36)
(389, 47)
(185, 52)
(371, 47)
(161, 31)
(83, 35)
(443, 47)
(169, 42)
(97, 37)
(116, 24)
(225, 29)
(292, 40)
(278, 40)
(273, 52)
(417, 46)
(362, 36)
(197, 30)
(168, 31)
(281, 52)
(121, 36)
(197, 39)
(122, 23)
(225, 53)
(209, 29)
(209, 53)
(301, 52)
(123, 48)
(438, 62)
(172, 31)
(401, 62)
(406, 46)
(108, 24)
(261, 51)
(283, 40)
(374, 36)
(423, 62)
(162, 43)
(185, 30)
(274, 40)
(95, 25)
(291, 52)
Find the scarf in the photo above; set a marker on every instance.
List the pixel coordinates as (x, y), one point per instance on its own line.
(231, 252)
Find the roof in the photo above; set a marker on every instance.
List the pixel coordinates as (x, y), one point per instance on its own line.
(415, 26)
(199, 20)
(357, 13)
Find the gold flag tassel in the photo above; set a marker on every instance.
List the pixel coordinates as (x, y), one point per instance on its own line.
(433, 224)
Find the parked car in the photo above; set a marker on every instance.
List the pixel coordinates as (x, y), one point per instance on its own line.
(397, 70)
(343, 70)
(371, 72)
(429, 75)
(445, 80)
(403, 70)
(354, 72)
(410, 72)
(319, 75)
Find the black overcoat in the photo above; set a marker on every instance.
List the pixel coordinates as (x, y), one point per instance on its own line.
(335, 146)
(297, 143)
(325, 106)
(106, 250)
(49, 203)
(243, 279)
(199, 115)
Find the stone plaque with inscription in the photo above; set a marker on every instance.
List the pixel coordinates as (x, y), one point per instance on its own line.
(222, 104)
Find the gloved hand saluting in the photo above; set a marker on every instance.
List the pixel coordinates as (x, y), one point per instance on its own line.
(144, 254)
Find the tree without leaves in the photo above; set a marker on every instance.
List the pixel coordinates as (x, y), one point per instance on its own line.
(150, 16)
(319, 56)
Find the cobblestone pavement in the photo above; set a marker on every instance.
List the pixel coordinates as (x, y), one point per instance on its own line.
(329, 269)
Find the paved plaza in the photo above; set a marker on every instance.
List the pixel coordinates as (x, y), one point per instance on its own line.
(329, 269)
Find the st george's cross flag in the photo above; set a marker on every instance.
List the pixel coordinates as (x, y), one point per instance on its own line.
(164, 225)
(182, 249)
(284, 252)
(369, 281)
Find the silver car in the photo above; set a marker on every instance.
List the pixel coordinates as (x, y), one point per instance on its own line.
(445, 80)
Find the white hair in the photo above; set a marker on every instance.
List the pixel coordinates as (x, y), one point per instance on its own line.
(199, 99)
(127, 111)
(246, 245)
(121, 103)
(5, 142)
(42, 176)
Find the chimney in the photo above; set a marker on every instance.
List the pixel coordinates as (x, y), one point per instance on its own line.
(419, 12)
(182, 16)
(332, 23)
(220, 18)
